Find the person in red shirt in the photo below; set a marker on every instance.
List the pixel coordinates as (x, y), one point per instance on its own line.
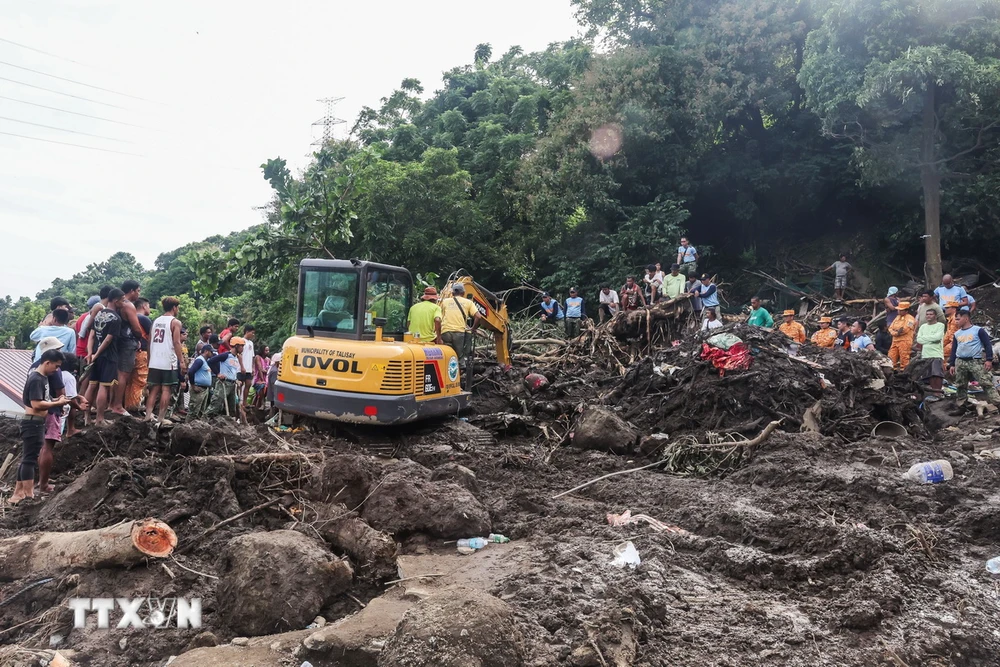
(631, 295)
(228, 333)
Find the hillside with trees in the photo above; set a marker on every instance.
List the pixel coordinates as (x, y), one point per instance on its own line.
(752, 125)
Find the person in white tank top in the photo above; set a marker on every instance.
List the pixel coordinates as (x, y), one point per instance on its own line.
(166, 358)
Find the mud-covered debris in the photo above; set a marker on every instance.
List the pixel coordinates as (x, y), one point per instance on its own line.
(600, 428)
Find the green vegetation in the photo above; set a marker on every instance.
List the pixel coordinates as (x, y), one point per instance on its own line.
(749, 124)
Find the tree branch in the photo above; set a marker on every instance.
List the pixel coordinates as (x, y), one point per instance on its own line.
(974, 147)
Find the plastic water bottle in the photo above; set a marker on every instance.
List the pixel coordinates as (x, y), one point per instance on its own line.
(473, 542)
(930, 472)
(993, 565)
(496, 538)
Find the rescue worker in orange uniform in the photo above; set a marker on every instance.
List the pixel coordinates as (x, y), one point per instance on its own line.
(902, 329)
(826, 336)
(951, 325)
(791, 328)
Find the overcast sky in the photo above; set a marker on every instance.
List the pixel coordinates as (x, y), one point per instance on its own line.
(223, 87)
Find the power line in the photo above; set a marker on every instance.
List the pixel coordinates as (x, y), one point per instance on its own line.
(63, 129)
(59, 92)
(63, 143)
(76, 113)
(79, 83)
(44, 53)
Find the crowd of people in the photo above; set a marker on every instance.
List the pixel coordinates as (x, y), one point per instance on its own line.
(113, 358)
(939, 329)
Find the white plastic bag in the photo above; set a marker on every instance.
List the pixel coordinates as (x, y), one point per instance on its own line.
(626, 554)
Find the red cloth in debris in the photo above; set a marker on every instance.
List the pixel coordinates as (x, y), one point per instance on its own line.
(736, 358)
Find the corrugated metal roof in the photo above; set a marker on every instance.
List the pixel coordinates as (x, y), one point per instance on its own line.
(14, 367)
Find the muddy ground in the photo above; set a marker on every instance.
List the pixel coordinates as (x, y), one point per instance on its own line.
(810, 549)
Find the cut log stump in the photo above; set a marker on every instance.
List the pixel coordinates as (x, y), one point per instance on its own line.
(121, 545)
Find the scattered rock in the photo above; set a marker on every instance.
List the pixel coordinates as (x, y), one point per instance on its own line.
(202, 640)
(457, 473)
(276, 581)
(600, 428)
(584, 656)
(458, 627)
(406, 503)
(653, 443)
(187, 439)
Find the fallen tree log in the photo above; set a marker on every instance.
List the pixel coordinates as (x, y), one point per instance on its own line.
(637, 322)
(372, 550)
(121, 545)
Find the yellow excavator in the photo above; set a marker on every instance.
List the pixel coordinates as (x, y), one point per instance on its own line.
(352, 359)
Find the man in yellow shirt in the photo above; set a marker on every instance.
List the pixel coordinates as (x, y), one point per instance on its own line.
(673, 282)
(791, 328)
(424, 318)
(826, 336)
(455, 313)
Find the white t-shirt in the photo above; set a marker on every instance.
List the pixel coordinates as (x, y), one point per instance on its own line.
(610, 298)
(708, 325)
(248, 357)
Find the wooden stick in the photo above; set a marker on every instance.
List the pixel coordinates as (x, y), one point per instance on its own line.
(226, 522)
(6, 464)
(251, 458)
(764, 435)
(602, 477)
(416, 576)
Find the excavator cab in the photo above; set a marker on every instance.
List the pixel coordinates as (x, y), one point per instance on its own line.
(343, 298)
(351, 359)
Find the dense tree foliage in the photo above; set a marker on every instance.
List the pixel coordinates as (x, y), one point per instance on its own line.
(751, 125)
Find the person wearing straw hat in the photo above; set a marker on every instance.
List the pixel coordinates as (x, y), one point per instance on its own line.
(424, 318)
(902, 330)
(826, 336)
(791, 328)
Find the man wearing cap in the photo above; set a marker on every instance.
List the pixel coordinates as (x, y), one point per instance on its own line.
(971, 359)
(200, 379)
(826, 336)
(891, 302)
(576, 311)
(791, 328)
(709, 294)
(551, 310)
(58, 329)
(902, 330)
(424, 318)
(455, 330)
(608, 299)
(224, 388)
(38, 400)
(930, 343)
(759, 316)
(673, 282)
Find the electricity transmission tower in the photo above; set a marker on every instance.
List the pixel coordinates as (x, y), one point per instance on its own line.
(328, 121)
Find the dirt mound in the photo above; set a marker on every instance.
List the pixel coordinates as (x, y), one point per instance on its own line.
(456, 628)
(276, 581)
